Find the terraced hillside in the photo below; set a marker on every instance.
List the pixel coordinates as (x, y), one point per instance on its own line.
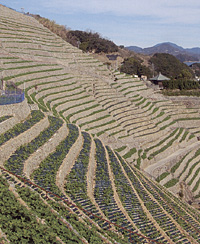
(67, 152)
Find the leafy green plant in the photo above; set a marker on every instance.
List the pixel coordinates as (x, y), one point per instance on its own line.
(3, 118)
(18, 223)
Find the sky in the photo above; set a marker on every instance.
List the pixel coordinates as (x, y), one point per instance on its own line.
(142, 23)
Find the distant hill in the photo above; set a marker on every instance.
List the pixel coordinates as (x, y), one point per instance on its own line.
(167, 47)
(195, 50)
(168, 65)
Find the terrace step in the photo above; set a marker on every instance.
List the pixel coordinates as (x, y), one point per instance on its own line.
(164, 164)
(7, 149)
(19, 111)
(91, 178)
(68, 162)
(33, 162)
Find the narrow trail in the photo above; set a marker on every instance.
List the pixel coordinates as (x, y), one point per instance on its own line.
(91, 178)
(68, 162)
(116, 196)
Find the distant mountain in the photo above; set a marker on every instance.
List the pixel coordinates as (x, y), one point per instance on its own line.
(186, 57)
(194, 50)
(171, 48)
(135, 49)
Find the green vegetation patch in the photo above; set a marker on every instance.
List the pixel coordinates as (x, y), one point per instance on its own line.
(19, 128)
(3, 118)
(171, 183)
(130, 153)
(162, 176)
(120, 149)
(18, 223)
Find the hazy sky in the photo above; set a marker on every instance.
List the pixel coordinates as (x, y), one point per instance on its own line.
(126, 22)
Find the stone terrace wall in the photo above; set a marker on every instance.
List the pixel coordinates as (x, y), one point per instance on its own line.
(10, 146)
(19, 111)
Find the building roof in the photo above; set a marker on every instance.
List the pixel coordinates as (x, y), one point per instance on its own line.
(159, 77)
(112, 57)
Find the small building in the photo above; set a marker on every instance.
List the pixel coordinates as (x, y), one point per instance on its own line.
(158, 79)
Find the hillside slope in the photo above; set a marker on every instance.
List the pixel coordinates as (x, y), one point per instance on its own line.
(68, 150)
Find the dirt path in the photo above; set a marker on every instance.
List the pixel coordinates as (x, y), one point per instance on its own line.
(33, 162)
(68, 162)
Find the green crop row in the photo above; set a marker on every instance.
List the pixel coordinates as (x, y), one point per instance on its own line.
(16, 162)
(30, 73)
(130, 153)
(167, 145)
(162, 176)
(45, 175)
(95, 120)
(19, 128)
(171, 183)
(3, 118)
(101, 125)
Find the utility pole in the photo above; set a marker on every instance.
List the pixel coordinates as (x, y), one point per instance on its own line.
(153, 68)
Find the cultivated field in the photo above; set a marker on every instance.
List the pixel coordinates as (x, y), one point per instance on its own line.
(75, 154)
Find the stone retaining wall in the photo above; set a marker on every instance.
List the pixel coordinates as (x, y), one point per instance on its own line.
(10, 146)
(18, 110)
(189, 123)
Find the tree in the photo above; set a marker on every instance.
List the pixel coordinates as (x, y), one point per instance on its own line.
(93, 42)
(133, 65)
(185, 74)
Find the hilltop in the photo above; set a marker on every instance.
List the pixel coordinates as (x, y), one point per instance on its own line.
(90, 155)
